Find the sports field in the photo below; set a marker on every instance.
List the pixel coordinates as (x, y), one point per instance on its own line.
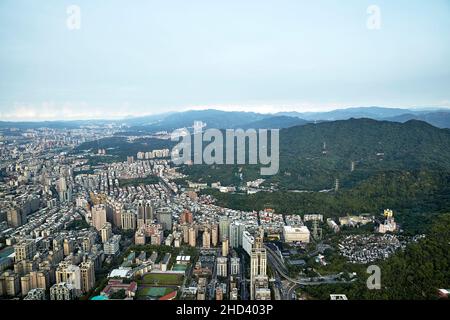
(154, 292)
(162, 279)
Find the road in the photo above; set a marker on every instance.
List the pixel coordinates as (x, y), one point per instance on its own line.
(277, 265)
(244, 294)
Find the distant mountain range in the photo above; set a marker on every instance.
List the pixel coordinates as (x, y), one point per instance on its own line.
(437, 117)
(235, 119)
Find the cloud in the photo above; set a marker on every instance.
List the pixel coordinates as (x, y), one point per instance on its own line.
(62, 111)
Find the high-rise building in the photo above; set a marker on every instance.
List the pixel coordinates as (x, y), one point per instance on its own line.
(224, 228)
(222, 266)
(62, 291)
(35, 294)
(261, 288)
(149, 212)
(25, 284)
(15, 217)
(185, 230)
(236, 233)
(192, 237)
(235, 267)
(40, 279)
(64, 190)
(106, 232)
(10, 284)
(140, 214)
(128, 218)
(214, 235)
(247, 242)
(112, 246)
(225, 248)
(258, 263)
(68, 246)
(165, 219)
(98, 216)
(24, 266)
(25, 250)
(69, 273)
(117, 214)
(206, 239)
(87, 275)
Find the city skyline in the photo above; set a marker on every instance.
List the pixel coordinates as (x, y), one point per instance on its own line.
(252, 56)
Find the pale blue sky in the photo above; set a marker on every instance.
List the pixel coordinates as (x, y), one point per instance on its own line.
(144, 57)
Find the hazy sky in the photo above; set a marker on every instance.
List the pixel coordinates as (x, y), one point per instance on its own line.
(142, 57)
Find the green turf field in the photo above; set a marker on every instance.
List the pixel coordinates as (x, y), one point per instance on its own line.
(154, 292)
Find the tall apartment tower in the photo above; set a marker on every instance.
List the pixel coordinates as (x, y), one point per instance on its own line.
(258, 263)
(117, 215)
(87, 275)
(192, 237)
(225, 248)
(98, 216)
(25, 250)
(69, 273)
(140, 214)
(214, 235)
(165, 219)
(206, 239)
(64, 190)
(106, 232)
(149, 212)
(128, 220)
(224, 228)
(236, 232)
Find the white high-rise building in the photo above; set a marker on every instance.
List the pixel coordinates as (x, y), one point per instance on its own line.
(236, 233)
(258, 265)
(222, 266)
(235, 263)
(98, 216)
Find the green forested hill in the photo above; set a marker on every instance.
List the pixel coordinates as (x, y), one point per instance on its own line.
(313, 155)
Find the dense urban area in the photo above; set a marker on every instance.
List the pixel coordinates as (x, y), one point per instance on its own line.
(79, 222)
